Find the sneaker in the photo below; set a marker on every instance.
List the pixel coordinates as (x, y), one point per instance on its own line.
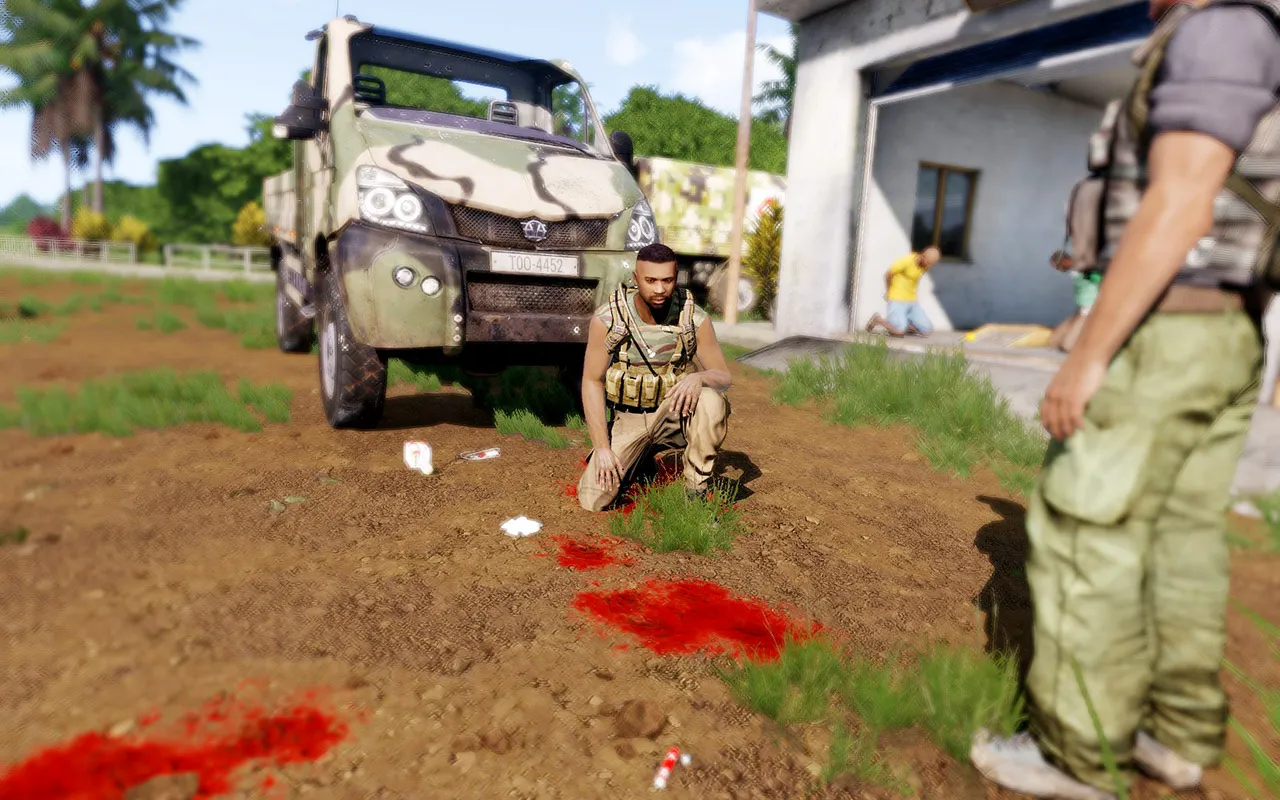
(1165, 765)
(1017, 764)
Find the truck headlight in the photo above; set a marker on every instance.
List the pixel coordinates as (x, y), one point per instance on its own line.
(642, 231)
(387, 200)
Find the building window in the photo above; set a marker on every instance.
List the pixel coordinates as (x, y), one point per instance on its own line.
(944, 210)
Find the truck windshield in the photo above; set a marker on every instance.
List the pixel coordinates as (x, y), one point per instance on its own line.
(404, 74)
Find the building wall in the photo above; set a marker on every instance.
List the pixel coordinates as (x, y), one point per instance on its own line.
(1030, 148)
(833, 48)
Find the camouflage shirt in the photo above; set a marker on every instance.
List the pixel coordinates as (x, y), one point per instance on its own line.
(660, 338)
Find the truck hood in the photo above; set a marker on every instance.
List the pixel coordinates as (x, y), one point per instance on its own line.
(472, 163)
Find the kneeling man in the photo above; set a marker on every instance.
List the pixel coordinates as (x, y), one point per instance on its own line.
(653, 356)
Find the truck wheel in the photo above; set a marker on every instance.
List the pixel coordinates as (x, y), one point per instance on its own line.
(353, 376)
(294, 332)
(748, 296)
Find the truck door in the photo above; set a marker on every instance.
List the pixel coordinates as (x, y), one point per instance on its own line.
(314, 162)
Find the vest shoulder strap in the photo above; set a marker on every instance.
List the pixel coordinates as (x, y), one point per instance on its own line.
(688, 331)
(621, 318)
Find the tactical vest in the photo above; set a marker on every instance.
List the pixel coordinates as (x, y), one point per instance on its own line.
(641, 386)
(1243, 246)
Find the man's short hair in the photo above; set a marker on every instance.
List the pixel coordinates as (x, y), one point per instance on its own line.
(656, 254)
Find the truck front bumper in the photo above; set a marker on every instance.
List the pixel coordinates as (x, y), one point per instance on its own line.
(474, 304)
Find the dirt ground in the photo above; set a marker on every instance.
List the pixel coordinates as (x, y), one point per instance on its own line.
(158, 575)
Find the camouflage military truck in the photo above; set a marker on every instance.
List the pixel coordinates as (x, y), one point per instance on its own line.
(693, 209)
(422, 223)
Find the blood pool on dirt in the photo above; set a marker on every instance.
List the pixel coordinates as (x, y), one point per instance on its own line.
(580, 555)
(95, 766)
(685, 617)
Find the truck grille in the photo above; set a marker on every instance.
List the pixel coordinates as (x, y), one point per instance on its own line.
(496, 229)
(576, 299)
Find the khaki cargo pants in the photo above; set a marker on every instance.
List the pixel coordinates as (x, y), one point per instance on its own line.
(1128, 562)
(633, 434)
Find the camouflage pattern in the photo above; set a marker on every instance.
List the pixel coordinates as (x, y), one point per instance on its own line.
(1230, 253)
(310, 208)
(693, 203)
(661, 338)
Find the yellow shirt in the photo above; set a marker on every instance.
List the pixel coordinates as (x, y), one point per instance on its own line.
(904, 277)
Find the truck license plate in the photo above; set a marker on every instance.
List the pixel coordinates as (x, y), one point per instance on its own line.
(533, 263)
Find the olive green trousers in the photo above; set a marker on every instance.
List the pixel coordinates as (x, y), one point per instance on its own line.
(1128, 563)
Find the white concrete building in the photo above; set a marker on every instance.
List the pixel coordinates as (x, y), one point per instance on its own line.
(922, 122)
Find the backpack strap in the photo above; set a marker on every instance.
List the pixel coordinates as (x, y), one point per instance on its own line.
(1151, 54)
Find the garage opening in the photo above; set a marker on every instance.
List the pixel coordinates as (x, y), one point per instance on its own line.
(974, 152)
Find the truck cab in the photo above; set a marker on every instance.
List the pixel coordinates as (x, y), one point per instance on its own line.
(447, 205)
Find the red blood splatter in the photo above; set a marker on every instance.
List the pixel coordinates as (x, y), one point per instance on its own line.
(570, 489)
(96, 767)
(579, 555)
(684, 617)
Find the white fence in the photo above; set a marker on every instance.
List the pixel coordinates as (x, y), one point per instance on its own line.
(25, 248)
(217, 257)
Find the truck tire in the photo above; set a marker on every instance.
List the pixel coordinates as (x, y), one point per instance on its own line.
(294, 331)
(748, 295)
(353, 376)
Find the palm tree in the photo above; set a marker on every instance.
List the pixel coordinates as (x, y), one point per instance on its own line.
(776, 96)
(82, 70)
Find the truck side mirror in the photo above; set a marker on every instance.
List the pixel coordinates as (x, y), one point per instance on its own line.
(302, 119)
(620, 141)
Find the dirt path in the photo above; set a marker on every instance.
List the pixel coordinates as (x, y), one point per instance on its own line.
(158, 575)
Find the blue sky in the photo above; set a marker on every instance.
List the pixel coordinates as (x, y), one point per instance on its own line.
(252, 51)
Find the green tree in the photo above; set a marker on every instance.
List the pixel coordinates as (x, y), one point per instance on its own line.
(764, 254)
(679, 127)
(427, 93)
(776, 97)
(205, 189)
(83, 69)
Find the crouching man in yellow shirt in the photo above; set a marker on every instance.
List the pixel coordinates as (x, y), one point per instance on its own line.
(904, 313)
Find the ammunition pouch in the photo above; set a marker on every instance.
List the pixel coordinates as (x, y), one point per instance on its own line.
(636, 388)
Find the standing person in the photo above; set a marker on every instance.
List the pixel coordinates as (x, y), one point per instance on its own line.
(653, 356)
(1149, 412)
(1084, 284)
(904, 314)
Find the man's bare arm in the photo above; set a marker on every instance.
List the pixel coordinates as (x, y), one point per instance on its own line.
(1187, 171)
(594, 366)
(714, 368)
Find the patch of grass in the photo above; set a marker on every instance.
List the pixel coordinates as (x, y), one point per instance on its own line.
(1269, 507)
(424, 379)
(256, 326)
(88, 278)
(30, 307)
(14, 535)
(949, 693)
(186, 292)
(961, 419)
(163, 320)
(525, 423)
(666, 518)
(271, 400)
(35, 278)
(537, 390)
(1264, 765)
(153, 399)
(238, 291)
(22, 331)
(733, 351)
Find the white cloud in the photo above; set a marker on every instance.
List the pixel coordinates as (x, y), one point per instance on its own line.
(622, 46)
(710, 68)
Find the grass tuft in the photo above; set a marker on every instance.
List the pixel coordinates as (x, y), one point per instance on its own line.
(153, 399)
(949, 693)
(14, 535)
(961, 419)
(525, 423)
(665, 518)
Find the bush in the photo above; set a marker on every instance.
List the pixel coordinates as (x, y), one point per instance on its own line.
(90, 226)
(250, 227)
(132, 229)
(45, 231)
(764, 254)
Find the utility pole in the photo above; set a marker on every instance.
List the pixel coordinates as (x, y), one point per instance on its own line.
(740, 175)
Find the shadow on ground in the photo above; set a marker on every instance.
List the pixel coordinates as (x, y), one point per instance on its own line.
(1005, 599)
